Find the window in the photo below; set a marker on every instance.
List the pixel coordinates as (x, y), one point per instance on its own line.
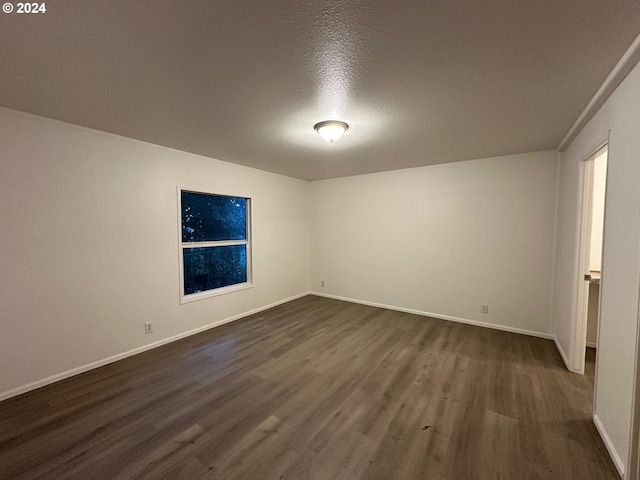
(215, 247)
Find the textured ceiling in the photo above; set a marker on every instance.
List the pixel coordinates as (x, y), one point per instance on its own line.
(418, 82)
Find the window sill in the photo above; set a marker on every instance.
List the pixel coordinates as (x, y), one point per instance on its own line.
(194, 297)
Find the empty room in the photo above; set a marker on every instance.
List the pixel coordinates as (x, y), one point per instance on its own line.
(320, 240)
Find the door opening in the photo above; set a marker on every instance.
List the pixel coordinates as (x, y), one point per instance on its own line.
(591, 246)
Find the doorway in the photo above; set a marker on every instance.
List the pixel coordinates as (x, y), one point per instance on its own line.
(591, 247)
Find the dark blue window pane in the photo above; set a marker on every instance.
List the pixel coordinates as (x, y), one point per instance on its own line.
(208, 218)
(214, 267)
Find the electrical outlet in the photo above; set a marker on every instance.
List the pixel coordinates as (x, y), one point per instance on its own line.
(322, 283)
(485, 309)
(148, 327)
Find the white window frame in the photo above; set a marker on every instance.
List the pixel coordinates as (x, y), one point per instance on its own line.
(183, 245)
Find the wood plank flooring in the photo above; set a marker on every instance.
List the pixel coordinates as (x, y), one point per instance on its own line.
(316, 389)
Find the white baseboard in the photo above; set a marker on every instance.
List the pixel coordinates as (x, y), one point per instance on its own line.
(609, 444)
(84, 368)
(442, 317)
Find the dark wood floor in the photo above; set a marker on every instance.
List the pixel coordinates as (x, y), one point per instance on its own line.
(316, 389)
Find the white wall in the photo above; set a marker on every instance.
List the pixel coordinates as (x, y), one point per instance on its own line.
(621, 258)
(597, 211)
(90, 245)
(442, 239)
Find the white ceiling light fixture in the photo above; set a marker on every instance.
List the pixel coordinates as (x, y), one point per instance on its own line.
(331, 130)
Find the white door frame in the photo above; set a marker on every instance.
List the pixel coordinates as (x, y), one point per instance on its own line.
(582, 302)
(633, 472)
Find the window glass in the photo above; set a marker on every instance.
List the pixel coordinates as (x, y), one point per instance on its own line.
(207, 218)
(214, 267)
